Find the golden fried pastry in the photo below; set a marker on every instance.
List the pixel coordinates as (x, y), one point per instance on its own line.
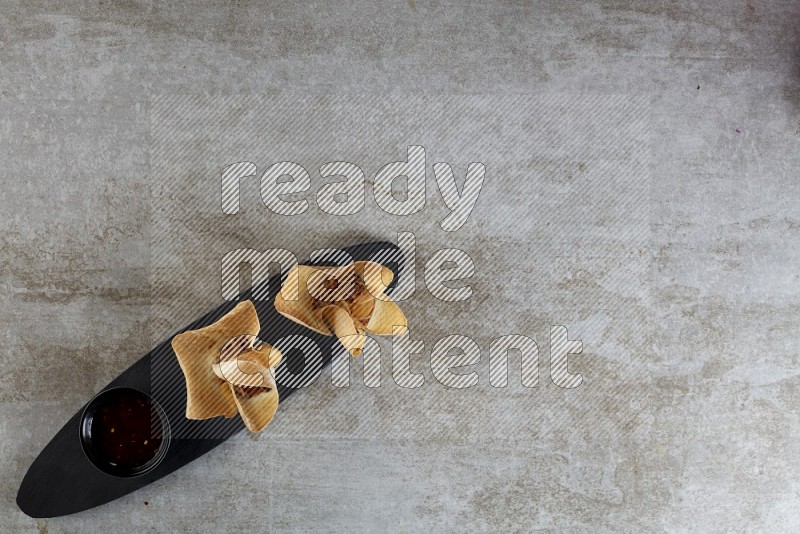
(227, 370)
(347, 302)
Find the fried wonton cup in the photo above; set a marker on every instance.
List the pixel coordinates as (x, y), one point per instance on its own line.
(348, 302)
(227, 370)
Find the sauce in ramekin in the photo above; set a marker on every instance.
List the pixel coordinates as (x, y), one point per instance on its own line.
(123, 432)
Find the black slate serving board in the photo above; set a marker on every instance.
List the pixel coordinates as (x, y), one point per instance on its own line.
(63, 481)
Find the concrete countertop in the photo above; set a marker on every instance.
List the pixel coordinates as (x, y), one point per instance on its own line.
(641, 189)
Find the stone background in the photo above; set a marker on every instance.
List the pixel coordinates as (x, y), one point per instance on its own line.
(700, 434)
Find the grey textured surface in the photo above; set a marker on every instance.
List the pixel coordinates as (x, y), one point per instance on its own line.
(688, 418)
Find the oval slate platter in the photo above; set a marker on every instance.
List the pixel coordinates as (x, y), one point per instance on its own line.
(62, 480)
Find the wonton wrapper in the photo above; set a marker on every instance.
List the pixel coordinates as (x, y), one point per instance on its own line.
(347, 302)
(256, 405)
(219, 385)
